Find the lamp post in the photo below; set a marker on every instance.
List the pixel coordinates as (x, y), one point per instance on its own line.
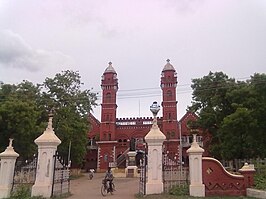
(155, 108)
(180, 151)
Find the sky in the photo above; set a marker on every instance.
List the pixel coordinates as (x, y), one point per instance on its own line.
(41, 38)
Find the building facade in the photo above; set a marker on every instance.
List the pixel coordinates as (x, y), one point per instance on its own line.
(111, 138)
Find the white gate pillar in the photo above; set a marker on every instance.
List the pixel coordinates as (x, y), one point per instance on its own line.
(154, 141)
(196, 187)
(47, 146)
(8, 161)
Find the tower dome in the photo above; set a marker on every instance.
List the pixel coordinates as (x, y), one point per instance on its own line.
(168, 66)
(110, 68)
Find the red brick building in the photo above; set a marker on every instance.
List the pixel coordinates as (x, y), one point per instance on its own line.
(110, 138)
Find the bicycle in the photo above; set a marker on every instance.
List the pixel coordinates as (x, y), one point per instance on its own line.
(91, 173)
(105, 189)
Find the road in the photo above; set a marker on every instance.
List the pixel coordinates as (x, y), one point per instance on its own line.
(83, 188)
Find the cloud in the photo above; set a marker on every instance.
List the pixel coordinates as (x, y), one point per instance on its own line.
(15, 52)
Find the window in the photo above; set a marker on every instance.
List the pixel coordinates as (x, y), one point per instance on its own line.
(172, 134)
(109, 136)
(108, 97)
(169, 116)
(169, 94)
(105, 158)
(168, 135)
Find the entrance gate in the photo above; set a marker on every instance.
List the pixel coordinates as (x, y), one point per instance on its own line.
(61, 181)
(25, 173)
(143, 175)
(173, 174)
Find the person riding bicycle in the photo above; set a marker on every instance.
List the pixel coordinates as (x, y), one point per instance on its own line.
(109, 178)
(91, 173)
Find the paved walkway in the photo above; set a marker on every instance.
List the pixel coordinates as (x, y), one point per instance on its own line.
(83, 188)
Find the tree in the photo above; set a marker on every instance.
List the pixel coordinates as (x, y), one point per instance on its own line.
(71, 107)
(232, 112)
(209, 101)
(20, 117)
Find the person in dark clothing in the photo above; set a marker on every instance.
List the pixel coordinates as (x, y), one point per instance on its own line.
(109, 178)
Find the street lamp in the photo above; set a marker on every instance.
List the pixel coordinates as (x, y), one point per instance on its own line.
(154, 108)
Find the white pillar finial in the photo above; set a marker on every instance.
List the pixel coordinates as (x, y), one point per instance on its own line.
(194, 137)
(10, 142)
(50, 123)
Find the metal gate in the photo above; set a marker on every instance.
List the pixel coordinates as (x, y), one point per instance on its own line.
(25, 173)
(173, 173)
(143, 176)
(61, 180)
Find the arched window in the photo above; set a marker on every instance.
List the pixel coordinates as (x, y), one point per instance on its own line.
(169, 116)
(168, 135)
(108, 97)
(105, 157)
(169, 94)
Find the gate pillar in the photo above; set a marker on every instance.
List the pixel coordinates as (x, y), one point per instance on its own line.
(196, 187)
(47, 146)
(8, 160)
(154, 140)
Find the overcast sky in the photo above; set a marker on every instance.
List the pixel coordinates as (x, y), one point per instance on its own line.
(41, 38)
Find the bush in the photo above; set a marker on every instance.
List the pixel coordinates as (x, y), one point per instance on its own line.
(260, 177)
(179, 190)
(23, 192)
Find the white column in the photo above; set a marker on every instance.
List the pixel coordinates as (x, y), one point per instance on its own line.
(154, 141)
(8, 161)
(196, 187)
(47, 146)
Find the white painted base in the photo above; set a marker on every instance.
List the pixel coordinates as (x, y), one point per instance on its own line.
(256, 193)
(135, 168)
(154, 188)
(4, 192)
(197, 190)
(42, 190)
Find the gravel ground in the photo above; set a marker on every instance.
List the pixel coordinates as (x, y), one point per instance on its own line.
(83, 188)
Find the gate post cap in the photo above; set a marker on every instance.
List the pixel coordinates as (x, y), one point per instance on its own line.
(9, 152)
(247, 167)
(48, 137)
(195, 148)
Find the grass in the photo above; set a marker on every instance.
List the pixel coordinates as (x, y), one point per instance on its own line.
(24, 192)
(167, 196)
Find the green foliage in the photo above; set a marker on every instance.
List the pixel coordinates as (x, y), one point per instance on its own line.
(260, 177)
(71, 107)
(260, 182)
(24, 112)
(20, 117)
(179, 190)
(232, 112)
(24, 192)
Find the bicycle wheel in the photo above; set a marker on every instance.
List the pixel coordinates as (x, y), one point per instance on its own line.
(103, 190)
(113, 189)
(113, 186)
